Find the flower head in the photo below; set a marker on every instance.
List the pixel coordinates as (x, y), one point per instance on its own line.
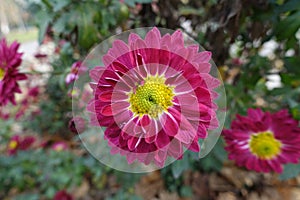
(18, 143)
(62, 195)
(4, 115)
(33, 92)
(154, 96)
(10, 60)
(59, 146)
(76, 69)
(263, 141)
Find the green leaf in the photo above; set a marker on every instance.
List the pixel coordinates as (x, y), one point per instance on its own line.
(191, 11)
(292, 64)
(186, 191)
(290, 171)
(43, 20)
(214, 160)
(143, 1)
(179, 166)
(211, 163)
(60, 4)
(47, 4)
(219, 150)
(287, 27)
(296, 112)
(289, 6)
(60, 25)
(132, 3)
(27, 197)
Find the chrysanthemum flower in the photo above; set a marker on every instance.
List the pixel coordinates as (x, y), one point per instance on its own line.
(19, 143)
(10, 60)
(76, 70)
(59, 146)
(154, 96)
(62, 195)
(263, 141)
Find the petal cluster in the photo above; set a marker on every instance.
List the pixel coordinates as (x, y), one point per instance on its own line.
(59, 146)
(10, 60)
(263, 141)
(62, 195)
(154, 96)
(76, 70)
(19, 143)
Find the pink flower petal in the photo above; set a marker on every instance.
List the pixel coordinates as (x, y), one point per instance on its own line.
(169, 124)
(203, 67)
(194, 146)
(166, 40)
(202, 57)
(175, 149)
(107, 110)
(108, 59)
(119, 48)
(105, 96)
(152, 39)
(132, 38)
(119, 67)
(162, 139)
(132, 143)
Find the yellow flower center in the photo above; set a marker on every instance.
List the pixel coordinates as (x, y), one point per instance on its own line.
(59, 148)
(264, 145)
(2, 72)
(152, 98)
(12, 145)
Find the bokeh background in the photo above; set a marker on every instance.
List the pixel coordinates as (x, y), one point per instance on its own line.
(254, 43)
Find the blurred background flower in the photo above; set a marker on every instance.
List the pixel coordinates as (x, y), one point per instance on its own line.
(59, 146)
(10, 60)
(263, 141)
(17, 142)
(62, 195)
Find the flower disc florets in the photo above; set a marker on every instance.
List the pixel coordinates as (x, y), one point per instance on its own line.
(151, 98)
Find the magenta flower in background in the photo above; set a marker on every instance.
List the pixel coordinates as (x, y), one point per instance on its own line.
(4, 115)
(59, 146)
(262, 141)
(76, 70)
(62, 195)
(154, 96)
(29, 99)
(77, 125)
(34, 91)
(19, 143)
(10, 60)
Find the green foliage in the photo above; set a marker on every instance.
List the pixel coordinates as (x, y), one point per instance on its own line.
(44, 172)
(133, 2)
(83, 23)
(180, 166)
(290, 171)
(124, 195)
(172, 183)
(215, 159)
